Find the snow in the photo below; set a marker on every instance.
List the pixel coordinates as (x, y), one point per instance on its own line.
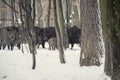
(15, 65)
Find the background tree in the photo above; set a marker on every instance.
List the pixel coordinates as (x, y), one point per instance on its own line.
(48, 19)
(61, 23)
(12, 14)
(75, 16)
(3, 15)
(28, 24)
(39, 13)
(65, 11)
(59, 38)
(111, 26)
(90, 33)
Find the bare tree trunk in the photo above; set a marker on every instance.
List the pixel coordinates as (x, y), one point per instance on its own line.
(78, 7)
(75, 14)
(90, 33)
(49, 8)
(40, 12)
(29, 25)
(61, 20)
(65, 14)
(3, 16)
(111, 21)
(16, 16)
(68, 12)
(12, 5)
(59, 39)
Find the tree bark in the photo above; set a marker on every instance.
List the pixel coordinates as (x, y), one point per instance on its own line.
(90, 33)
(59, 39)
(48, 19)
(112, 37)
(28, 24)
(61, 23)
(39, 13)
(12, 4)
(3, 14)
(66, 23)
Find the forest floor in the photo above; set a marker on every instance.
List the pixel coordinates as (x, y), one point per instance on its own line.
(15, 65)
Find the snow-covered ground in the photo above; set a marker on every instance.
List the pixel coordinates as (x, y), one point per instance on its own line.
(15, 65)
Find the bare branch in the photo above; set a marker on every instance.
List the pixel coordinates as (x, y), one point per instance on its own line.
(10, 6)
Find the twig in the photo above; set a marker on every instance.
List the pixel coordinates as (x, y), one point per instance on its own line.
(10, 6)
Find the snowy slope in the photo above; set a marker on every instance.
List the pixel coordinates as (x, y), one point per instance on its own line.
(15, 65)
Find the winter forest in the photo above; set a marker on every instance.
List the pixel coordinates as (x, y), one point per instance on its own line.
(59, 39)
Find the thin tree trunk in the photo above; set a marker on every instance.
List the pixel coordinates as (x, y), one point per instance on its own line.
(66, 24)
(59, 40)
(3, 14)
(28, 26)
(49, 8)
(12, 3)
(61, 23)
